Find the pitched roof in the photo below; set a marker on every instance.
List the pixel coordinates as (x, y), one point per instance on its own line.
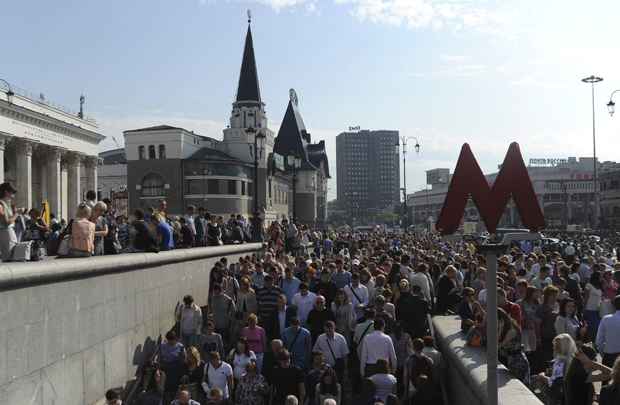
(213, 154)
(155, 128)
(248, 89)
(292, 136)
(317, 154)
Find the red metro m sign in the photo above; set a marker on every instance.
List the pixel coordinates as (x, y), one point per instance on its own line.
(512, 180)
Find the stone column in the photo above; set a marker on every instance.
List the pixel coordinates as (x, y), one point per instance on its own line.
(24, 175)
(74, 197)
(3, 142)
(90, 164)
(54, 176)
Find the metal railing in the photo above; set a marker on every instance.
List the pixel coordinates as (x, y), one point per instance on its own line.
(40, 99)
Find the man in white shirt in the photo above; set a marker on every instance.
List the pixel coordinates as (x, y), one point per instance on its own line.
(376, 345)
(608, 336)
(334, 348)
(358, 294)
(218, 374)
(304, 301)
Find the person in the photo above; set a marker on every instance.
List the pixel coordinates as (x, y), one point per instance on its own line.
(165, 233)
(511, 348)
(421, 279)
(222, 308)
(567, 320)
(38, 232)
(530, 308)
(284, 314)
(8, 215)
(341, 277)
(252, 387)
(267, 299)
(593, 297)
(184, 398)
(608, 335)
(376, 345)
(313, 376)
(304, 300)
(143, 240)
(547, 313)
(239, 357)
(357, 294)
(112, 397)
(189, 317)
(412, 309)
(579, 378)
(153, 389)
(404, 348)
(290, 284)
(298, 343)
(287, 379)
(256, 339)
(385, 383)
(447, 290)
(418, 375)
(210, 341)
(101, 227)
(218, 374)
(362, 329)
(610, 394)
(82, 233)
(194, 366)
(172, 362)
(318, 316)
(270, 361)
(328, 388)
(334, 348)
(345, 315)
(564, 351)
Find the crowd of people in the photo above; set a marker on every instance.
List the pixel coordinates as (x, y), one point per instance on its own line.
(347, 321)
(96, 229)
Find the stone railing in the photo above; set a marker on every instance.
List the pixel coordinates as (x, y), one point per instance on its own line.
(465, 370)
(72, 328)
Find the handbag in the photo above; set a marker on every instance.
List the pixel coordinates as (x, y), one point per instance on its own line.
(64, 246)
(22, 251)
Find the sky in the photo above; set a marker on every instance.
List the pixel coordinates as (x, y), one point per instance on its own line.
(447, 72)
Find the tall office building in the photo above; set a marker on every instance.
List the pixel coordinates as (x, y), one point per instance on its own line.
(368, 172)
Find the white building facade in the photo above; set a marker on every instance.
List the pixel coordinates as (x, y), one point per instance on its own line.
(45, 151)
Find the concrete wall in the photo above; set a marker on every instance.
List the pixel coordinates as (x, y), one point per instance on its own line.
(465, 370)
(72, 328)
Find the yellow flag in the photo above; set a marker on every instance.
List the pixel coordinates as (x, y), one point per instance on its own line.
(45, 214)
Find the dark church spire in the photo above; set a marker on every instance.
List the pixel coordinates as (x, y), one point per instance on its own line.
(248, 89)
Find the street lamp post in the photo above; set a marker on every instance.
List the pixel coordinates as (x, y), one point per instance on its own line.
(592, 80)
(404, 140)
(257, 153)
(294, 162)
(9, 91)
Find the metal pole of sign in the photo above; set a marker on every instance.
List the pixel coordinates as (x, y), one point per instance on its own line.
(491, 252)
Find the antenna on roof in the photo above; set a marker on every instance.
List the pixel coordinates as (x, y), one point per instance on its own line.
(82, 101)
(249, 16)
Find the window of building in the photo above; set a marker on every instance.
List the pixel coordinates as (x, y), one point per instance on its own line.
(250, 189)
(141, 152)
(152, 152)
(243, 188)
(162, 151)
(232, 187)
(195, 187)
(152, 185)
(213, 186)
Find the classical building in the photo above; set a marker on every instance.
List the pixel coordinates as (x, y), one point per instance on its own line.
(45, 151)
(564, 189)
(185, 168)
(368, 172)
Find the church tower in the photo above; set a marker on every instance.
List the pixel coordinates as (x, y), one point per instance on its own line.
(248, 115)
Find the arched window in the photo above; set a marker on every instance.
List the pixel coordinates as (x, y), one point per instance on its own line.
(152, 185)
(162, 151)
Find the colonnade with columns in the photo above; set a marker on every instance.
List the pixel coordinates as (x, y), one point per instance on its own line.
(42, 172)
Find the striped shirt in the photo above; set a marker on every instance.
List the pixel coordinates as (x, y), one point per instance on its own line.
(267, 299)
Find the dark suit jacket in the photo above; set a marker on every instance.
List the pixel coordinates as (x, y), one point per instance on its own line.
(290, 313)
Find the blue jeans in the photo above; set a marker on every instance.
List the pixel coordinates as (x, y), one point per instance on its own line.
(593, 319)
